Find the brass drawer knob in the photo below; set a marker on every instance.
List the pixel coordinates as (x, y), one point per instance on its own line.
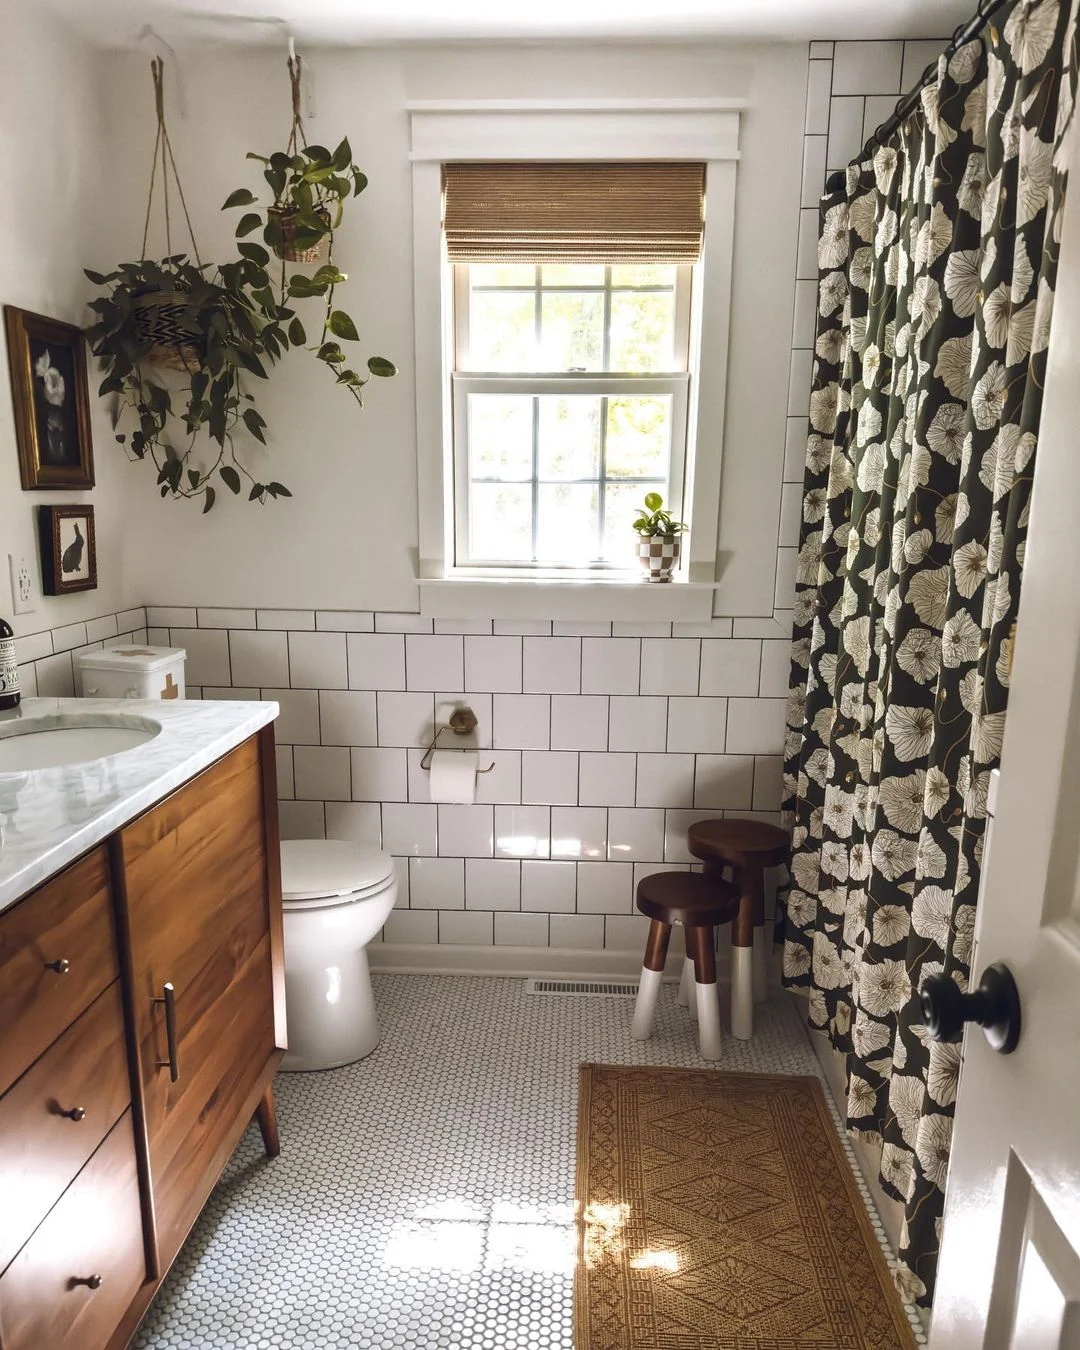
(90, 1281)
(60, 967)
(76, 1113)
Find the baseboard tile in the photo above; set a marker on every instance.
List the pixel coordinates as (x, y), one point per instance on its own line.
(404, 958)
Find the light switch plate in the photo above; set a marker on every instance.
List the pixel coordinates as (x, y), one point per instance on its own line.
(22, 584)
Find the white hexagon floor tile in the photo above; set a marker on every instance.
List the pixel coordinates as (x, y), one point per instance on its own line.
(423, 1199)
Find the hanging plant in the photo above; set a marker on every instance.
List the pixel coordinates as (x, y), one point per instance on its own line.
(179, 339)
(310, 187)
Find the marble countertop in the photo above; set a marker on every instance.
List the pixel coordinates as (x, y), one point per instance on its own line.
(50, 817)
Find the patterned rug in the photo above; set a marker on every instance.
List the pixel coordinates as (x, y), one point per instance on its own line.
(716, 1211)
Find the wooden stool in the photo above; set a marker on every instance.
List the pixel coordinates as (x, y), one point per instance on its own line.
(747, 847)
(699, 901)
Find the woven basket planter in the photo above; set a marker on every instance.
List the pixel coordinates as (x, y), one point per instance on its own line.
(158, 317)
(659, 555)
(287, 250)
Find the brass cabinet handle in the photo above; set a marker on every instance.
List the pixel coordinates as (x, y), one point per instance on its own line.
(169, 1000)
(76, 1113)
(60, 967)
(91, 1281)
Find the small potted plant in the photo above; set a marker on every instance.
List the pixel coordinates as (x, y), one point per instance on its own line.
(659, 543)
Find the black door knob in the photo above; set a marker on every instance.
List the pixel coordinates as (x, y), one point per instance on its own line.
(995, 1006)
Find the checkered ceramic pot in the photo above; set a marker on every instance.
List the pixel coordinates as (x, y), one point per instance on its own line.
(659, 554)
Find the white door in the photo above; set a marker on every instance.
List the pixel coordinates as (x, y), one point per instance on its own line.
(1009, 1274)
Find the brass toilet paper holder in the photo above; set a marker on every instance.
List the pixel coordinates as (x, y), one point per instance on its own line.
(462, 721)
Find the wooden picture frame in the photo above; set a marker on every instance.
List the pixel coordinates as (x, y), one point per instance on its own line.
(47, 360)
(68, 549)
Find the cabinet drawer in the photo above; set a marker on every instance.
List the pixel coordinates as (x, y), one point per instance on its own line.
(67, 921)
(41, 1149)
(94, 1230)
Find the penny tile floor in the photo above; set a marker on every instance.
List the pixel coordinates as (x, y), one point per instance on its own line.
(423, 1199)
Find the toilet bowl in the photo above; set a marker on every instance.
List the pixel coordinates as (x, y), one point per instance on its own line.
(336, 897)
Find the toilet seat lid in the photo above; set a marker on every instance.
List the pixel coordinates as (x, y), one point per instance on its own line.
(316, 869)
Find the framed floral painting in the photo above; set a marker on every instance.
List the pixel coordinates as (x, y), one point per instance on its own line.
(47, 360)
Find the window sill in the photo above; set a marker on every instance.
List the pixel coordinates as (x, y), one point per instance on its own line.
(495, 596)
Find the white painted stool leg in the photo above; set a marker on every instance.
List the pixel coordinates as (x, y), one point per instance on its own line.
(742, 992)
(708, 1020)
(761, 963)
(645, 1007)
(685, 981)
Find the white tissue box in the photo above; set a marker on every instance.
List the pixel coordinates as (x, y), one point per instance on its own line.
(127, 671)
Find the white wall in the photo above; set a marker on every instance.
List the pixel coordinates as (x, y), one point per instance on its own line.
(348, 538)
(57, 173)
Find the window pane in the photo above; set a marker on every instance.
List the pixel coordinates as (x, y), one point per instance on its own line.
(566, 523)
(500, 522)
(638, 437)
(572, 274)
(502, 331)
(500, 436)
(570, 436)
(502, 274)
(643, 274)
(623, 503)
(572, 331)
(642, 330)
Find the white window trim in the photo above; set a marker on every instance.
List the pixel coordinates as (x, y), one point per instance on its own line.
(671, 129)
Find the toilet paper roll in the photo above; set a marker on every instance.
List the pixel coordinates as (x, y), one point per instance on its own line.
(453, 776)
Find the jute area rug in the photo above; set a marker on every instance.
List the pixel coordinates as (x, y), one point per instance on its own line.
(717, 1211)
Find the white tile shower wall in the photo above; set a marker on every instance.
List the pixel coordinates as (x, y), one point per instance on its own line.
(605, 746)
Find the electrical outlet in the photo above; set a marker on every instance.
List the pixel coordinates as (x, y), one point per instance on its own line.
(22, 584)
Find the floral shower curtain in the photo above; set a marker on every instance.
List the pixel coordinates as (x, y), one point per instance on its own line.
(937, 262)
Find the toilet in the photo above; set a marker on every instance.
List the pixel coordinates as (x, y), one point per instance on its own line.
(337, 896)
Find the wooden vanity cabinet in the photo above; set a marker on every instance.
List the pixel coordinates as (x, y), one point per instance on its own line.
(200, 931)
(115, 1119)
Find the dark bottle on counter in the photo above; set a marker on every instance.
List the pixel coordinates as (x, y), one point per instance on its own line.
(9, 671)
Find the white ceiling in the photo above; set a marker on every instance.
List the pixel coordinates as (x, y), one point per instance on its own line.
(114, 23)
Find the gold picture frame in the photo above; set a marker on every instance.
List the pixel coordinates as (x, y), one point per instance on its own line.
(68, 549)
(47, 360)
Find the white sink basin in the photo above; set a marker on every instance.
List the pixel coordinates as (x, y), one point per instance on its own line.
(60, 739)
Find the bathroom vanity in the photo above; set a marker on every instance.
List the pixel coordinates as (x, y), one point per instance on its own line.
(141, 1008)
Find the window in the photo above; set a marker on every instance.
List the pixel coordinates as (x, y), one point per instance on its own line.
(463, 249)
(570, 399)
(572, 292)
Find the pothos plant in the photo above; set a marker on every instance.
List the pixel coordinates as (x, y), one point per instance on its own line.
(216, 327)
(220, 326)
(310, 186)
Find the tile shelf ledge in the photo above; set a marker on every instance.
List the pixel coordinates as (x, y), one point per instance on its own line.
(502, 596)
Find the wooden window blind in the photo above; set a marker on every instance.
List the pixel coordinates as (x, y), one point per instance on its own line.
(581, 212)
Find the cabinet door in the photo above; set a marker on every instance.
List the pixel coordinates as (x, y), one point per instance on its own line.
(201, 910)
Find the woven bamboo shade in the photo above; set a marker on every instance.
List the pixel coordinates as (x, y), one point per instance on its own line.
(581, 212)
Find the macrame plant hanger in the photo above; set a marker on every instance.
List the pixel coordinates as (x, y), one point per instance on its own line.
(289, 247)
(158, 313)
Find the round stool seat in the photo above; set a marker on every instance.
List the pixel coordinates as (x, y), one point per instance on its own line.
(740, 843)
(690, 898)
